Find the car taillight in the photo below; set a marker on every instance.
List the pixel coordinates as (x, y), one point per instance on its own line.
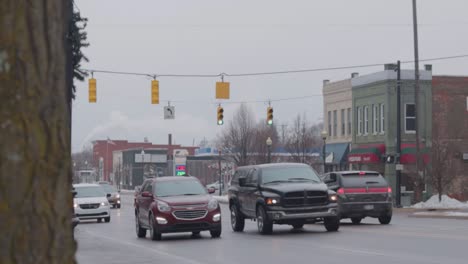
(362, 173)
(340, 191)
(389, 190)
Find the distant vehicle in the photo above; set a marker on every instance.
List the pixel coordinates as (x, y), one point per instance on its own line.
(216, 185)
(75, 219)
(91, 202)
(114, 198)
(175, 204)
(361, 194)
(281, 193)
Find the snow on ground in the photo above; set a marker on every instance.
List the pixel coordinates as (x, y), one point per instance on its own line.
(446, 203)
(221, 199)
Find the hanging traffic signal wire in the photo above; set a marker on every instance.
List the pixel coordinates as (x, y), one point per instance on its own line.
(269, 73)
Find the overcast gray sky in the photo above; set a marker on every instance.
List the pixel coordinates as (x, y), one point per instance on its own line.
(237, 36)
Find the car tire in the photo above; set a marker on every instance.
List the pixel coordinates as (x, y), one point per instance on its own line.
(332, 224)
(107, 219)
(356, 220)
(119, 205)
(385, 219)
(99, 220)
(264, 224)
(215, 233)
(298, 225)
(154, 234)
(140, 232)
(237, 220)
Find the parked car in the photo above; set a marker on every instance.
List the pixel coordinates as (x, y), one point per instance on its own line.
(114, 198)
(75, 219)
(175, 204)
(361, 194)
(281, 193)
(91, 202)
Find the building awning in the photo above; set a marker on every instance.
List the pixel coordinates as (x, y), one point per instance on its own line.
(366, 154)
(336, 153)
(408, 154)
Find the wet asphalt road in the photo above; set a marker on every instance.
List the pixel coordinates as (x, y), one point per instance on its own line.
(405, 240)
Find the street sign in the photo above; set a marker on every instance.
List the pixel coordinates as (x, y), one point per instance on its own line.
(169, 112)
(399, 167)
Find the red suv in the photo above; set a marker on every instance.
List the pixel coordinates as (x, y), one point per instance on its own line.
(175, 204)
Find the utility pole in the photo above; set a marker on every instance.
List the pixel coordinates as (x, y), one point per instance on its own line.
(220, 176)
(398, 137)
(416, 88)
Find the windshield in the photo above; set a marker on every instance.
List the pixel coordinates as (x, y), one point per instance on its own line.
(289, 174)
(108, 188)
(89, 191)
(174, 188)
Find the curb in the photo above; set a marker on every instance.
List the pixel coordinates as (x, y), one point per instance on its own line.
(438, 216)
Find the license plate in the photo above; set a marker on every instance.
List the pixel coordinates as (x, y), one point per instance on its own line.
(369, 207)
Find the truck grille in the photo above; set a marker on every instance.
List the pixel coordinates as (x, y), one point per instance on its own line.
(89, 206)
(305, 198)
(190, 215)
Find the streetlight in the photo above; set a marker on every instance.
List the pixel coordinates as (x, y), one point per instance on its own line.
(324, 137)
(269, 142)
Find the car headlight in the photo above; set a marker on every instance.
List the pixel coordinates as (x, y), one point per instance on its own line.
(333, 198)
(75, 205)
(104, 203)
(272, 201)
(212, 204)
(117, 196)
(163, 207)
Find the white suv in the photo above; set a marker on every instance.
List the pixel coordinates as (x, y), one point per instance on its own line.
(91, 202)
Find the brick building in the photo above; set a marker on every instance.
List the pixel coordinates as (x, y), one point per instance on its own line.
(450, 131)
(103, 149)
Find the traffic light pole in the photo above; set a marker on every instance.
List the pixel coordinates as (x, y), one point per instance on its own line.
(398, 138)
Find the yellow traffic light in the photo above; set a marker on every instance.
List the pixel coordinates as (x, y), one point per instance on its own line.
(220, 115)
(92, 90)
(270, 116)
(155, 92)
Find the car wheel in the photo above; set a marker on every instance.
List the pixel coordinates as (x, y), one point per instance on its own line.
(141, 232)
(385, 219)
(215, 233)
(356, 220)
(237, 220)
(107, 219)
(119, 205)
(99, 220)
(264, 225)
(332, 224)
(153, 232)
(298, 226)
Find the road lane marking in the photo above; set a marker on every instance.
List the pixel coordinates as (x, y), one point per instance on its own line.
(167, 254)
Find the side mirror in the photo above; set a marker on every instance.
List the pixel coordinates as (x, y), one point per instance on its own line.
(242, 182)
(211, 190)
(108, 195)
(74, 193)
(147, 194)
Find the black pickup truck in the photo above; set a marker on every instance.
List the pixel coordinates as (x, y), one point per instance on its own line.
(281, 193)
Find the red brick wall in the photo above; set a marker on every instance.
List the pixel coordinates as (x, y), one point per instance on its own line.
(101, 148)
(450, 125)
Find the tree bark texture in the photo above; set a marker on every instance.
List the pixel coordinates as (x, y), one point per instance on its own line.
(35, 169)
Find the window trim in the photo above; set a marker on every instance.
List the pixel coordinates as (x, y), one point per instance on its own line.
(335, 123)
(382, 119)
(406, 118)
(329, 123)
(359, 121)
(366, 120)
(349, 116)
(375, 117)
(343, 123)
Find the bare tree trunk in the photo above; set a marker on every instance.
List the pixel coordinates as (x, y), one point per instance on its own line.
(35, 169)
